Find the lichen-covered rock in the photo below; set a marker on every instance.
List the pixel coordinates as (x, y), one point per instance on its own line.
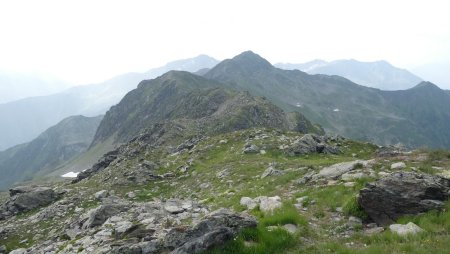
(403, 193)
(215, 229)
(337, 170)
(404, 230)
(311, 143)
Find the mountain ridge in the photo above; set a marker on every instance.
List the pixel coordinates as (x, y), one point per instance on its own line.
(338, 104)
(25, 119)
(378, 74)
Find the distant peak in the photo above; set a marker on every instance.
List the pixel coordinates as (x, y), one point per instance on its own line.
(426, 84)
(249, 58)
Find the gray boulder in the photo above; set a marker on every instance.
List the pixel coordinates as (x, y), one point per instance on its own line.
(311, 143)
(250, 148)
(403, 193)
(336, 170)
(27, 198)
(99, 215)
(271, 171)
(215, 229)
(404, 230)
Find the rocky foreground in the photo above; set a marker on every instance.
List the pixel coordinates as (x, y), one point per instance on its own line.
(305, 191)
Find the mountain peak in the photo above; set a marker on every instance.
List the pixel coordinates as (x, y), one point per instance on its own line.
(251, 59)
(426, 85)
(245, 64)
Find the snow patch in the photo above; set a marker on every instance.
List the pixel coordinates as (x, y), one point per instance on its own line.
(71, 174)
(336, 110)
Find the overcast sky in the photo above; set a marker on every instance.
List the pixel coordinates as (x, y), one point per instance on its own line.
(89, 41)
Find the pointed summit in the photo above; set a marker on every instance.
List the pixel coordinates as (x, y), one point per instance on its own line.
(246, 63)
(426, 85)
(251, 59)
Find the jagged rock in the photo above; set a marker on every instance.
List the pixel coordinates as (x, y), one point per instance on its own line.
(101, 194)
(100, 214)
(271, 171)
(100, 165)
(248, 202)
(25, 199)
(250, 148)
(337, 170)
(403, 193)
(215, 229)
(404, 230)
(311, 143)
(306, 178)
(398, 166)
(174, 206)
(2, 249)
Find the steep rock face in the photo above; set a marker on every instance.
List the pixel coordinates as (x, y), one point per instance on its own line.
(201, 103)
(341, 106)
(56, 145)
(403, 193)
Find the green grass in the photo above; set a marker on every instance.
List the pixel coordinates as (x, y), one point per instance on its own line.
(352, 208)
(257, 241)
(287, 214)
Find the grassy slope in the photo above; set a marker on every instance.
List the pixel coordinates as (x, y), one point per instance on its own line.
(315, 225)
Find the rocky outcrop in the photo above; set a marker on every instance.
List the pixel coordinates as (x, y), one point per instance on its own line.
(100, 214)
(337, 170)
(312, 143)
(272, 171)
(24, 199)
(100, 165)
(403, 193)
(215, 229)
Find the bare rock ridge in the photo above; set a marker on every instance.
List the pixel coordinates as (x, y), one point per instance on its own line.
(201, 103)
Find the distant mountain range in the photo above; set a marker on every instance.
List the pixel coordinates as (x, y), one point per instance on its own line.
(16, 85)
(58, 144)
(380, 74)
(415, 117)
(23, 120)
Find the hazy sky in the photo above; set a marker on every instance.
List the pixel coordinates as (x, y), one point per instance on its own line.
(89, 41)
